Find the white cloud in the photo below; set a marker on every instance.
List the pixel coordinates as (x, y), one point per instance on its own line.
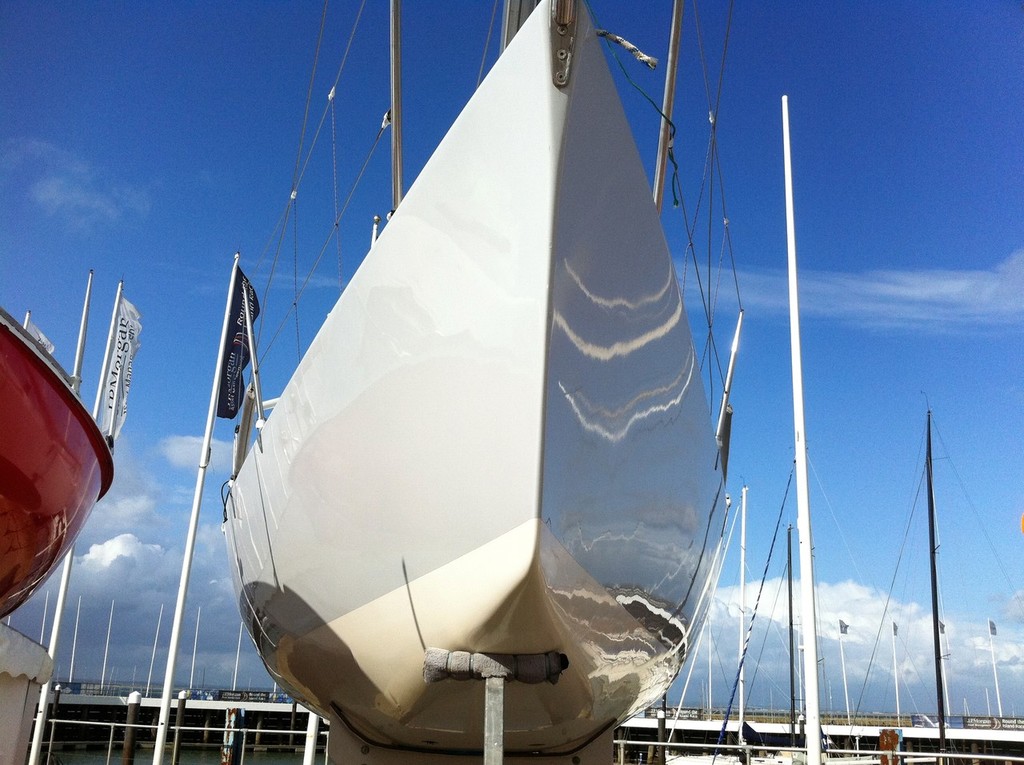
(937, 299)
(70, 188)
(183, 452)
(128, 546)
(867, 649)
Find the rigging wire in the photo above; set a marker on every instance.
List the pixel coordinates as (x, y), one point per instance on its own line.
(487, 43)
(753, 616)
(280, 230)
(327, 241)
(1017, 593)
(334, 177)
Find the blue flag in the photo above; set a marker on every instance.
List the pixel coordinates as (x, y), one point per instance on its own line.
(237, 353)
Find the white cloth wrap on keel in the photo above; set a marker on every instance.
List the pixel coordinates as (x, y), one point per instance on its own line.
(439, 664)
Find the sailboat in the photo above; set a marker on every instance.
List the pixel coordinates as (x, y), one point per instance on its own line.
(54, 464)
(497, 445)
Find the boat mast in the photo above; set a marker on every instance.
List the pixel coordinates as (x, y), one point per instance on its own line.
(515, 15)
(743, 606)
(792, 671)
(807, 607)
(396, 104)
(933, 549)
(667, 103)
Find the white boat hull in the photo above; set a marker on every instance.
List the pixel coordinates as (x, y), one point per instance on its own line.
(497, 443)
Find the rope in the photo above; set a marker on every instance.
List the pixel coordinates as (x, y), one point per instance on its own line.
(649, 61)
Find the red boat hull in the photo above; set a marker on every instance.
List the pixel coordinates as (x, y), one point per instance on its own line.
(54, 465)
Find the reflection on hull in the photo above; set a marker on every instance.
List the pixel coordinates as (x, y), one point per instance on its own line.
(497, 443)
(54, 465)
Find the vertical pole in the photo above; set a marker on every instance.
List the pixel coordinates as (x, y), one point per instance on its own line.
(710, 652)
(108, 353)
(933, 551)
(190, 540)
(46, 608)
(179, 720)
(128, 750)
(807, 606)
(152, 657)
(312, 726)
(895, 673)
(247, 310)
(396, 103)
(238, 651)
(106, 645)
(743, 606)
(195, 645)
(494, 722)
(660, 757)
(995, 675)
(74, 641)
(53, 720)
(846, 692)
(667, 104)
(76, 374)
(792, 678)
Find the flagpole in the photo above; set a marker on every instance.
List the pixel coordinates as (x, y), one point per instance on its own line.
(247, 310)
(190, 540)
(743, 605)
(152, 657)
(108, 353)
(69, 556)
(995, 676)
(808, 615)
(74, 641)
(106, 646)
(946, 657)
(842, 658)
(895, 673)
(195, 645)
(238, 652)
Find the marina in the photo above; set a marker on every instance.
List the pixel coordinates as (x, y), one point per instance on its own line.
(92, 727)
(485, 508)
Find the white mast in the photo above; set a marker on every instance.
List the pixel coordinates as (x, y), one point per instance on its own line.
(743, 603)
(667, 104)
(106, 645)
(69, 557)
(807, 607)
(190, 539)
(195, 645)
(397, 191)
(152, 658)
(995, 676)
(842, 658)
(895, 672)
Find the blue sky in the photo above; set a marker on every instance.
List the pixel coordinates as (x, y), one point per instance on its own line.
(151, 141)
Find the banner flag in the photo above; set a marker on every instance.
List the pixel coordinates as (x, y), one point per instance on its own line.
(117, 380)
(237, 353)
(991, 627)
(942, 627)
(843, 627)
(895, 630)
(38, 336)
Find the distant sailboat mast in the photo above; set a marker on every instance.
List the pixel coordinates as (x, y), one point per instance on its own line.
(807, 607)
(932, 550)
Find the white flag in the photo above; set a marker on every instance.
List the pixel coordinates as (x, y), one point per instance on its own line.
(38, 336)
(118, 378)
